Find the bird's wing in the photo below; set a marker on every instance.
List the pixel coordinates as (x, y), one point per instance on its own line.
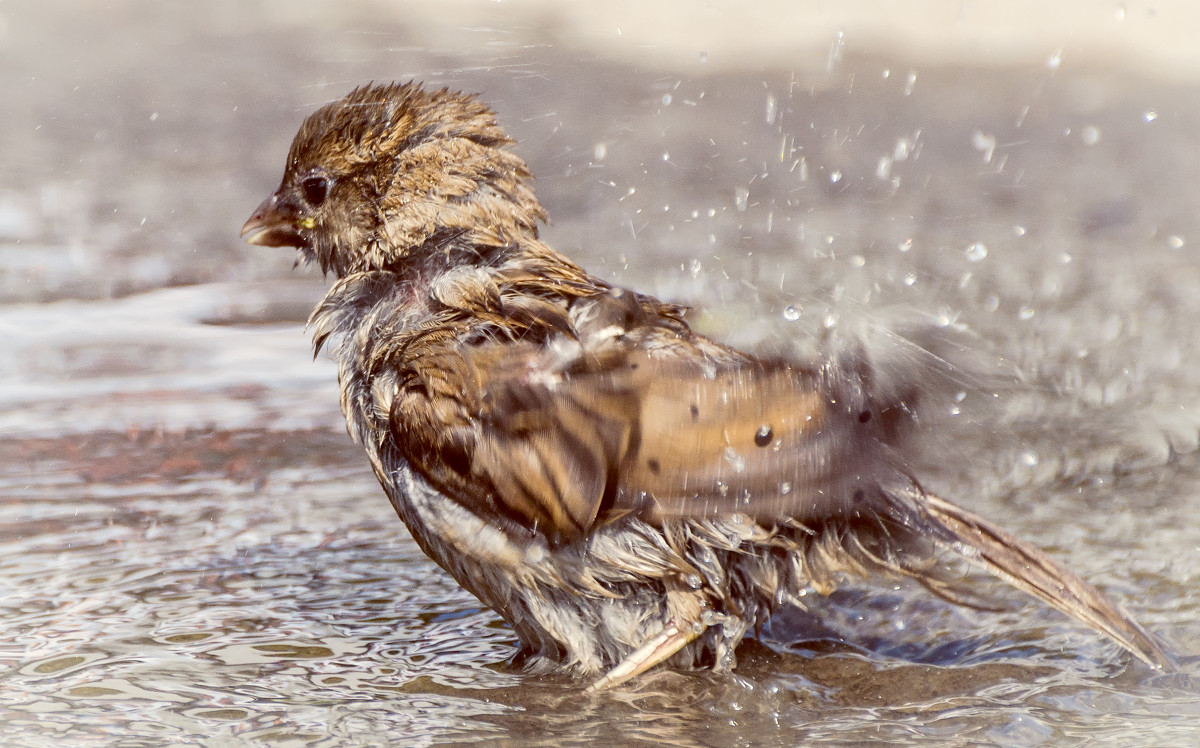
(771, 442)
(560, 440)
(562, 436)
(503, 429)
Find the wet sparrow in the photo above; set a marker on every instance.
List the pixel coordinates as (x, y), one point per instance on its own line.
(622, 490)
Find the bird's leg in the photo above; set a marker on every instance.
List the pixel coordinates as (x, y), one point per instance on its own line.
(683, 626)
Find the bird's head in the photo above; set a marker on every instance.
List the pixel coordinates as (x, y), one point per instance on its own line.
(392, 171)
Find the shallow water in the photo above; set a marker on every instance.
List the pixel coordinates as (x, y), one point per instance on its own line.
(192, 552)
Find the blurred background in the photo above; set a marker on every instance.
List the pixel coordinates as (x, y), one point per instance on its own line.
(193, 552)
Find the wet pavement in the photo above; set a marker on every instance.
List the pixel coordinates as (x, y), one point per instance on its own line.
(192, 551)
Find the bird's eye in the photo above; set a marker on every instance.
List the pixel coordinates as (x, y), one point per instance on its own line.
(316, 189)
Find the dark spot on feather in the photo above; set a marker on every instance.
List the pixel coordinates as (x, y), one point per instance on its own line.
(695, 412)
(864, 416)
(654, 466)
(457, 459)
(859, 496)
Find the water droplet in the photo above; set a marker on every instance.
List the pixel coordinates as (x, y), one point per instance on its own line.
(883, 169)
(1029, 458)
(735, 460)
(791, 313)
(836, 50)
(599, 152)
(712, 212)
(696, 266)
(1055, 61)
(694, 581)
(666, 99)
(1026, 312)
(666, 156)
(858, 261)
(1175, 242)
(1119, 13)
(986, 143)
(905, 245)
(1090, 135)
(1150, 115)
(975, 252)
(910, 279)
(772, 109)
(1019, 230)
(835, 176)
(741, 198)
(910, 82)
(785, 488)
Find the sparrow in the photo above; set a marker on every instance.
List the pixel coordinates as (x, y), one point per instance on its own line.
(623, 491)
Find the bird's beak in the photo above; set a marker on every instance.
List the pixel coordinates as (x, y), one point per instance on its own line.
(273, 224)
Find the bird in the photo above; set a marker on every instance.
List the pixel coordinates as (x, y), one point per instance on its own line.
(622, 490)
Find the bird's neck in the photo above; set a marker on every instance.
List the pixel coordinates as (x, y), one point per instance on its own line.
(404, 289)
(452, 202)
(450, 250)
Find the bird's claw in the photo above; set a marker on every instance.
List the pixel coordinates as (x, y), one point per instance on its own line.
(674, 637)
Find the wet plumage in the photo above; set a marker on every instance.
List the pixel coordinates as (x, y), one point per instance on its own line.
(622, 490)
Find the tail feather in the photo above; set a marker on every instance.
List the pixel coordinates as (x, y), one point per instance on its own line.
(1032, 571)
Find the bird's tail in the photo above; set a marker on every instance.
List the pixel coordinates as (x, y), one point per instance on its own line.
(1029, 569)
